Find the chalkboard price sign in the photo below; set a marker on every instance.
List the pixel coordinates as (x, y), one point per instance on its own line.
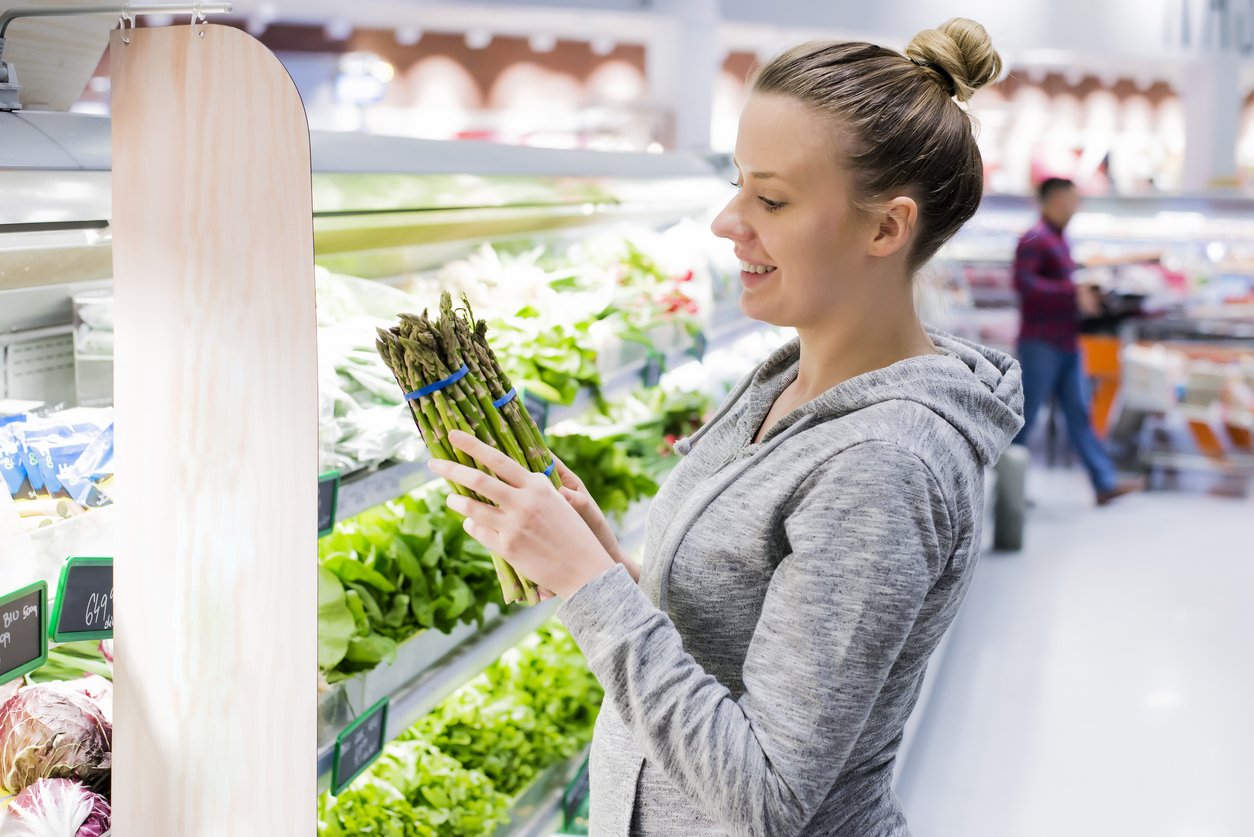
(84, 605)
(654, 366)
(23, 631)
(359, 745)
(538, 409)
(328, 501)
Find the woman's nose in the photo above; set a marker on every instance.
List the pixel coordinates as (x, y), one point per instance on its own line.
(728, 224)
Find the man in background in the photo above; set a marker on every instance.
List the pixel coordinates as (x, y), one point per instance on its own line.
(1049, 350)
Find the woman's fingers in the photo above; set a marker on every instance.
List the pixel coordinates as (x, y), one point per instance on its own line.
(485, 485)
(489, 516)
(568, 477)
(576, 499)
(509, 471)
(489, 537)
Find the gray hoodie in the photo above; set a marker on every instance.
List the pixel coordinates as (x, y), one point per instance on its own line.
(758, 679)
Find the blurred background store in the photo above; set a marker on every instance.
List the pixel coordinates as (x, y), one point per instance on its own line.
(560, 163)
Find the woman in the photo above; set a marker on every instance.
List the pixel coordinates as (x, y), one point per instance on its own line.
(807, 555)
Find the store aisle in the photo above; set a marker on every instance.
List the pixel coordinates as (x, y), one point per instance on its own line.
(1098, 684)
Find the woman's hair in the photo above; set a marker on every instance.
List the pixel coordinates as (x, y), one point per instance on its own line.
(904, 132)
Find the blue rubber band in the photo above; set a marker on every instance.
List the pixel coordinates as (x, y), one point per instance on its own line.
(438, 385)
(505, 399)
(548, 472)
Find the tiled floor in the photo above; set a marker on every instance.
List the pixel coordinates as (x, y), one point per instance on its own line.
(1101, 682)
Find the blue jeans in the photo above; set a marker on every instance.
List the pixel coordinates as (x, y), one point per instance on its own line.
(1051, 372)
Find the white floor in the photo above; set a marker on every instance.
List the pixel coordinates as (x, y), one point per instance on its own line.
(1101, 682)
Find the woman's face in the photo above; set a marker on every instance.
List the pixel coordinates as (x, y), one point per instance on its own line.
(792, 223)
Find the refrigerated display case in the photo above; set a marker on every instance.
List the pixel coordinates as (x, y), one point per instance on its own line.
(391, 216)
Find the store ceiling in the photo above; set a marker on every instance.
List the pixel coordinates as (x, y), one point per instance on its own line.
(1108, 27)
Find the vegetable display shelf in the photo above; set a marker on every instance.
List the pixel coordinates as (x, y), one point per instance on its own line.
(366, 489)
(471, 652)
(538, 810)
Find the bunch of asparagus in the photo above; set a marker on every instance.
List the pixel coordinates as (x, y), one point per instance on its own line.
(421, 352)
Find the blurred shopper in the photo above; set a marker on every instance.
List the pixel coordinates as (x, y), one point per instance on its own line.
(808, 553)
(1049, 351)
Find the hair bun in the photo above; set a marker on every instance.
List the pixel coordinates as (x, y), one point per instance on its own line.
(959, 54)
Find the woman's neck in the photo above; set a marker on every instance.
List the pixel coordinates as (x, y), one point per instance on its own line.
(859, 339)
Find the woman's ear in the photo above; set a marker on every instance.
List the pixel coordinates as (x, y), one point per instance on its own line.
(897, 220)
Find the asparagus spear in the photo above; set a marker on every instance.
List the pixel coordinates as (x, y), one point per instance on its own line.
(524, 426)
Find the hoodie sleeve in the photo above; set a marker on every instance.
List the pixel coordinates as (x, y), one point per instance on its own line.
(868, 534)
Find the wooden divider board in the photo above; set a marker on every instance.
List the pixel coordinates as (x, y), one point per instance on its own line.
(217, 405)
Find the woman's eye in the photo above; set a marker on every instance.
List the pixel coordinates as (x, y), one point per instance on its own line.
(734, 183)
(771, 206)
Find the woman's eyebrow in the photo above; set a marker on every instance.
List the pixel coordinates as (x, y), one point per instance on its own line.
(760, 175)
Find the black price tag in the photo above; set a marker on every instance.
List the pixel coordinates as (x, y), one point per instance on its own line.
(328, 501)
(700, 344)
(84, 605)
(23, 631)
(538, 409)
(654, 366)
(359, 745)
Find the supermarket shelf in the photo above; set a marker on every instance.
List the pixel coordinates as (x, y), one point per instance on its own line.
(428, 687)
(366, 489)
(538, 811)
(629, 376)
(440, 663)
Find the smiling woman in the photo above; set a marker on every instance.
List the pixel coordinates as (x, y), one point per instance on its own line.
(805, 558)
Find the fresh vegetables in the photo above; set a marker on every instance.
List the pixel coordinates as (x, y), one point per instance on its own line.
(70, 660)
(392, 571)
(56, 808)
(533, 707)
(623, 453)
(455, 383)
(414, 790)
(613, 477)
(455, 772)
(57, 730)
(548, 358)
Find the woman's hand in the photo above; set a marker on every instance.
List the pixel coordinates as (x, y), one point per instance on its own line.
(577, 494)
(532, 526)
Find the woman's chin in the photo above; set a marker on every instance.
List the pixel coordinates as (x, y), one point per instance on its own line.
(755, 307)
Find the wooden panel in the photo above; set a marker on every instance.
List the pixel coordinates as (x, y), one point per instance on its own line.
(217, 408)
(54, 57)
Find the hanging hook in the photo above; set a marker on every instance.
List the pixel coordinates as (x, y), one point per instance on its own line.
(198, 20)
(123, 20)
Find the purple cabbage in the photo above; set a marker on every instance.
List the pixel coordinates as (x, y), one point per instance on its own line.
(56, 731)
(56, 808)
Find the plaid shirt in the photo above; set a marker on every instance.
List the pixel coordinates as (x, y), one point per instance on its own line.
(1042, 274)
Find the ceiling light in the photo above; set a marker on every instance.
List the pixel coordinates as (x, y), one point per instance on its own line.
(408, 35)
(542, 42)
(603, 45)
(338, 29)
(478, 38)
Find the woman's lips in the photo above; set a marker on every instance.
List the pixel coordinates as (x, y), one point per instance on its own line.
(752, 280)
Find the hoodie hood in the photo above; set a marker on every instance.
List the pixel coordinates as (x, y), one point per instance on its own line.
(977, 390)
